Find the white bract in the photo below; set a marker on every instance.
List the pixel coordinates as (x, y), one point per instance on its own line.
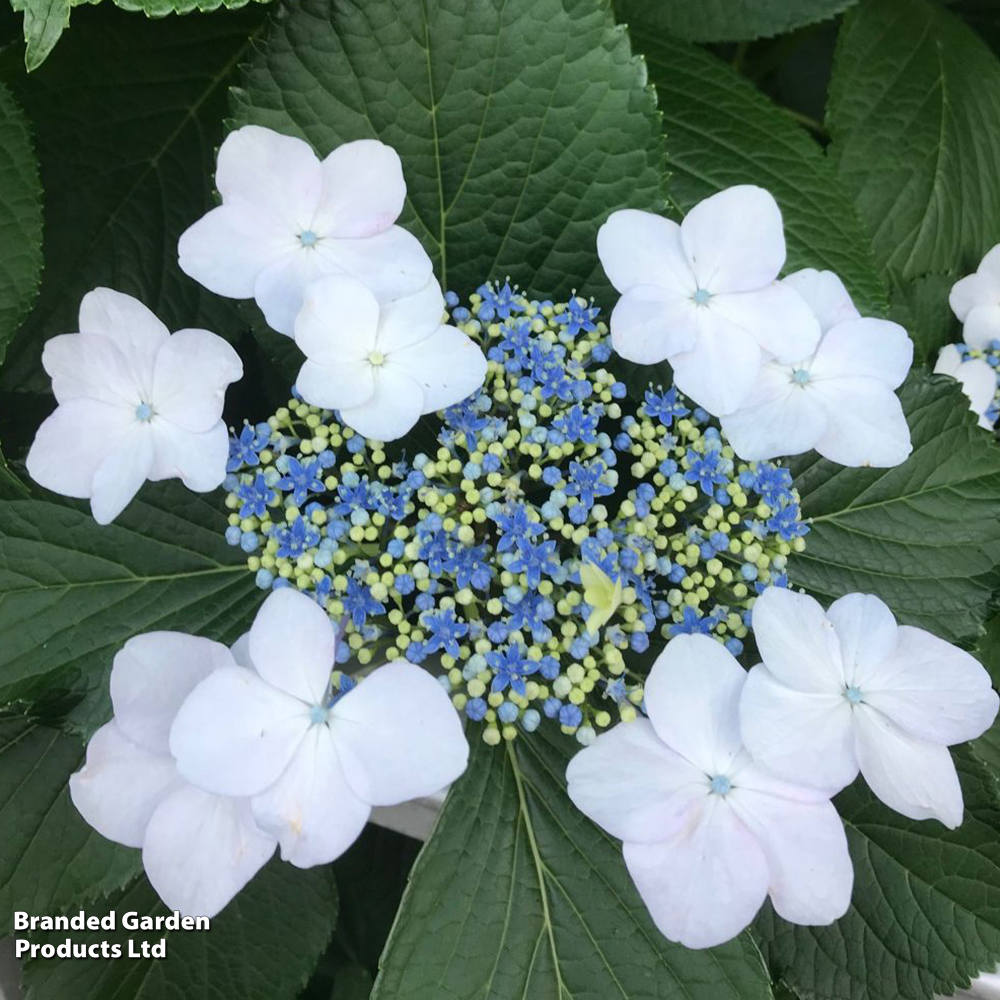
(198, 849)
(838, 399)
(703, 295)
(977, 378)
(287, 218)
(975, 300)
(382, 364)
(708, 834)
(314, 770)
(135, 403)
(849, 690)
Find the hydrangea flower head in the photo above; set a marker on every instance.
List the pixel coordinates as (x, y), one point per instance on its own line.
(135, 403)
(288, 218)
(975, 300)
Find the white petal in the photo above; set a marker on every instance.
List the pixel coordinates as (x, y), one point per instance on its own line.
(703, 887)
(979, 289)
(866, 630)
(912, 776)
(734, 240)
(280, 286)
(338, 322)
(398, 735)
(151, 676)
(72, 442)
(197, 459)
(91, 366)
(632, 784)
(990, 264)
(189, 381)
(410, 319)
(825, 294)
(448, 366)
(241, 651)
(201, 849)
(120, 785)
(311, 808)
(640, 248)
(235, 734)
(932, 689)
(649, 324)
(129, 324)
(391, 263)
(119, 477)
(803, 737)
(720, 370)
(277, 173)
(776, 316)
(229, 246)
(292, 645)
(797, 641)
(811, 875)
(779, 417)
(333, 387)
(866, 424)
(873, 348)
(363, 189)
(977, 378)
(692, 699)
(982, 326)
(394, 409)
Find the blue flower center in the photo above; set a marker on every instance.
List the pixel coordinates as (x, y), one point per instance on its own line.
(144, 412)
(801, 376)
(701, 296)
(318, 714)
(720, 785)
(853, 695)
(308, 238)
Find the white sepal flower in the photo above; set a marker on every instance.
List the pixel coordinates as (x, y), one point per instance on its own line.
(198, 849)
(840, 399)
(382, 364)
(703, 294)
(975, 300)
(135, 403)
(977, 378)
(287, 218)
(849, 690)
(708, 834)
(315, 769)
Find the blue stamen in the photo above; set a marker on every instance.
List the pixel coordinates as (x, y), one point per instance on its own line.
(144, 412)
(308, 238)
(318, 714)
(801, 376)
(721, 785)
(854, 695)
(701, 296)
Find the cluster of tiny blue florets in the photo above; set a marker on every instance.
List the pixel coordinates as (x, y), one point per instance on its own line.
(562, 529)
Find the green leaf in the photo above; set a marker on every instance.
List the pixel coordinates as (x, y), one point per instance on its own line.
(20, 219)
(72, 592)
(52, 860)
(517, 894)
(925, 916)
(521, 124)
(921, 305)
(727, 20)
(925, 535)
(261, 947)
(126, 168)
(46, 20)
(914, 112)
(721, 131)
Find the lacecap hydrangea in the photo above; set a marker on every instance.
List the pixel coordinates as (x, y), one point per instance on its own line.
(558, 530)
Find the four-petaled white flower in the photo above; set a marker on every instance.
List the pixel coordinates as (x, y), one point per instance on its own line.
(708, 834)
(287, 218)
(977, 378)
(975, 300)
(703, 294)
(135, 403)
(838, 399)
(849, 690)
(382, 365)
(198, 849)
(315, 769)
